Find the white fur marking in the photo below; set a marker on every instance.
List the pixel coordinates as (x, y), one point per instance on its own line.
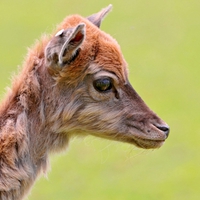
(59, 32)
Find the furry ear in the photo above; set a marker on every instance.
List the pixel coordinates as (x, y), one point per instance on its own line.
(98, 17)
(62, 49)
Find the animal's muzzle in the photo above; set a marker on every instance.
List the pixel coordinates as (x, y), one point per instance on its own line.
(164, 128)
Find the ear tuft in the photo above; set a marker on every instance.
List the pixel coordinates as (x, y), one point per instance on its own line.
(97, 18)
(59, 33)
(63, 47)
(73, 42)
(78, 37)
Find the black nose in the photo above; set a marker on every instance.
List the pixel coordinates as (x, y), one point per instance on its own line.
(164, 128)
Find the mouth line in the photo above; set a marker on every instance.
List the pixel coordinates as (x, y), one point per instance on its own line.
(145, 143)
(141, 142)
(144, 139)
(136, 137)
(141, 134)
(148, 140)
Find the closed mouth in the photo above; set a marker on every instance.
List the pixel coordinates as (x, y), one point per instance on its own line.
(152, 138)
(137, 137)
(145, 143)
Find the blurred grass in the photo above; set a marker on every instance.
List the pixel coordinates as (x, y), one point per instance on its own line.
(161, 42)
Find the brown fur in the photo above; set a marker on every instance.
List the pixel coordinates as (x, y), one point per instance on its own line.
(49, 102)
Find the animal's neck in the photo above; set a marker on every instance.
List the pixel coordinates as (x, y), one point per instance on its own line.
(24, 138)
(31, 126)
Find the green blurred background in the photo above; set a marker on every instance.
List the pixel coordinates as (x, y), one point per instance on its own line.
(161, 42)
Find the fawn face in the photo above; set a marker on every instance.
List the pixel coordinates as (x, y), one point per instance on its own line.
(88, 64)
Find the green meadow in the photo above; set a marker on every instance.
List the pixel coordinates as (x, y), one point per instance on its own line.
(161, 43)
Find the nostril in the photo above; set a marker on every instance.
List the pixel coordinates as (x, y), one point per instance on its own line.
(164, 128)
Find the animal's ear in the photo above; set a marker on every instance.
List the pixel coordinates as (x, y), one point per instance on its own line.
(63, 47)
(98, 17)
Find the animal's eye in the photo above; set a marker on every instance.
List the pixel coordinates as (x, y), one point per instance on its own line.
(103, 84)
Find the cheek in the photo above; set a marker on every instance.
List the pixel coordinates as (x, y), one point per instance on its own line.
(91, 113)
(100, 115)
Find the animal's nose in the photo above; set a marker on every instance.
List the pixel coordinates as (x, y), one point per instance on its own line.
(165, 128)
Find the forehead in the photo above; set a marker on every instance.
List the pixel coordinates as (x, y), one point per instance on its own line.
(110, 57)
(99, 47)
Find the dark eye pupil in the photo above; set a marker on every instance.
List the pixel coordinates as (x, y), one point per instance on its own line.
(102, 85)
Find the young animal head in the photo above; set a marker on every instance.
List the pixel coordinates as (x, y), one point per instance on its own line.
(73, 82)
(95, 96)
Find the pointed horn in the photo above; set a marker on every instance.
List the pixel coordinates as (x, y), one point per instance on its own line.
(98, 17)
